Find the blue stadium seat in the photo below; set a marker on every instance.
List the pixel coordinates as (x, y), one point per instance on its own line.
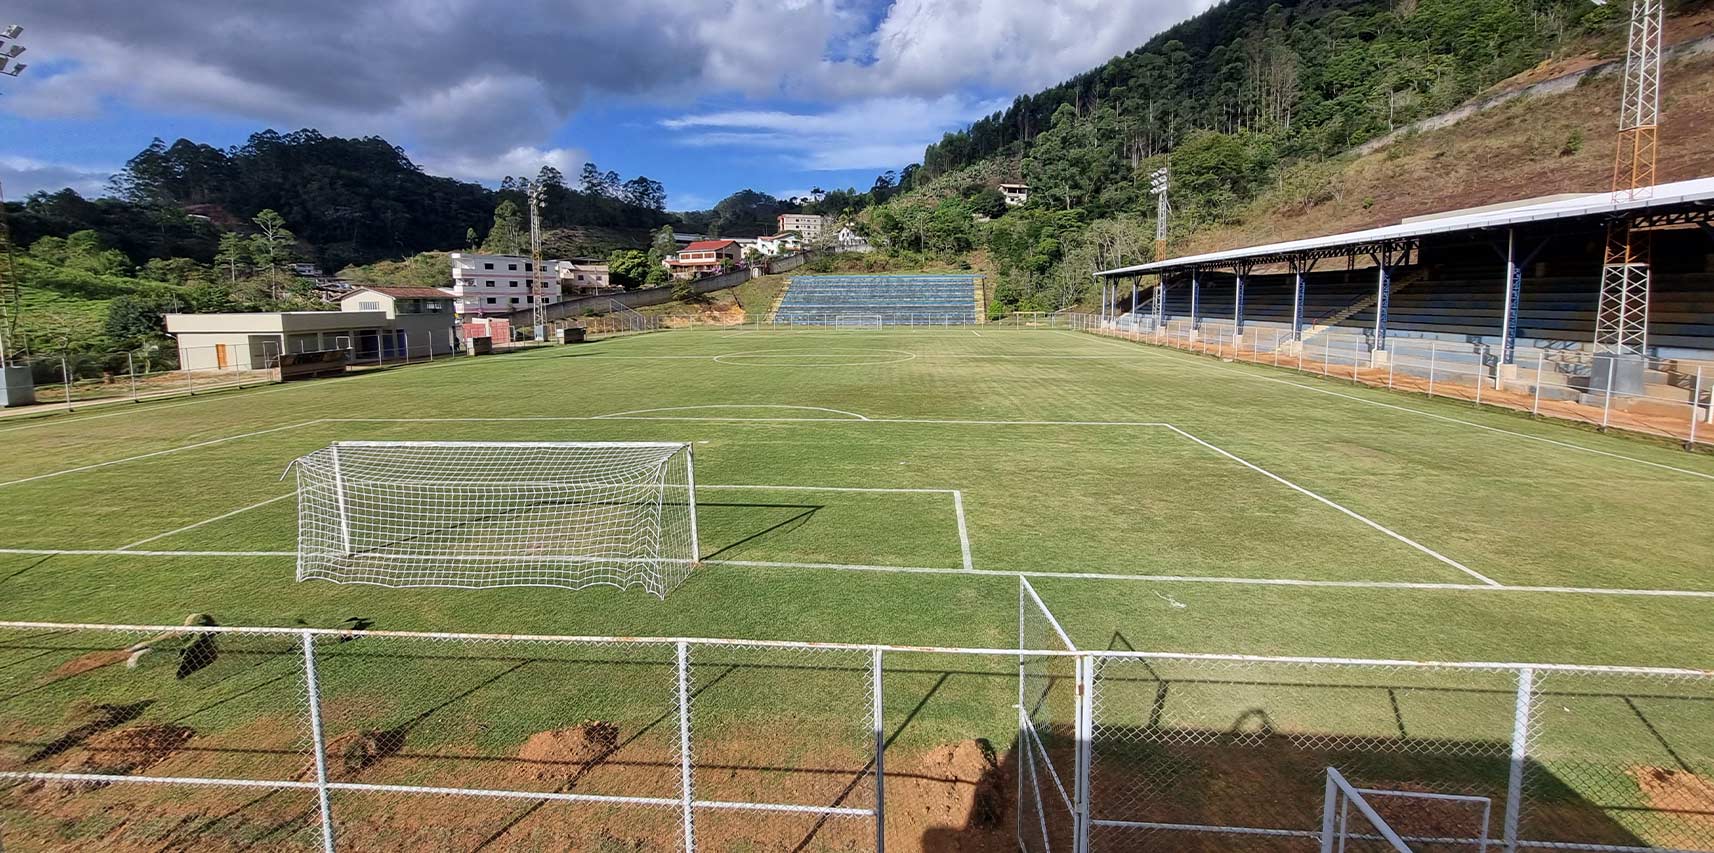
(879, 299)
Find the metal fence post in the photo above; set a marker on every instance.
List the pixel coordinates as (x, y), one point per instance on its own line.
(131, 370)
(1607, 401)
(65, 381)
(1329, 796)
(1085, 671)
(1481, 368)
(1390, 362)
(1326, 353)
(880, 758)
(1540, 367)
(1520, 754)
(1433, 350)
(1695, 406)
(317, 742)
(684, 757)
(1356, 356)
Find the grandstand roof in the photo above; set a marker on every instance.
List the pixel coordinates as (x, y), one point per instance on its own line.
(1698, 193)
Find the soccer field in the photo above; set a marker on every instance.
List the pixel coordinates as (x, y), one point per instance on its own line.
(865, 486)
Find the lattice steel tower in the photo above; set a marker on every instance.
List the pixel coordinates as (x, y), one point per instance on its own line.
(538, 299)
(1621, 319)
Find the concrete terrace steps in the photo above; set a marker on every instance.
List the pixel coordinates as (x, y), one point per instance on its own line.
(829, 299)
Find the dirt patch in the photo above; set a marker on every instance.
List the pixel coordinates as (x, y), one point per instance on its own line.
(92, 661)
(566, 751)
(354, 752)
(951, 798)
(1683, 794)
(123, 752)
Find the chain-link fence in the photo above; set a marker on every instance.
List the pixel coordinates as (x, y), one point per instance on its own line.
(315, 739)
(1669, 398)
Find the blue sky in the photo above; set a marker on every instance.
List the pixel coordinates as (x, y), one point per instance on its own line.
(706, 96)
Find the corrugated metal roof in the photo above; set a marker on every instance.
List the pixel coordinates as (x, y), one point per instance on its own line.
(1700, 190)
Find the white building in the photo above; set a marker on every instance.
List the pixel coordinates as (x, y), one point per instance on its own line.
(499, 284)
(584, 277)
(808, 225)
(373, 322)
(785, 243)
(1016, 194)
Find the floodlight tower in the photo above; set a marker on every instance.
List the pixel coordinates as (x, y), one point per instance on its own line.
(10, 49)
(1158, 182)
(539, 315)
(1621, 319)
(9, 52)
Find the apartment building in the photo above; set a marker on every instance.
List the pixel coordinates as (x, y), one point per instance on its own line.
(807, 225)
(500, 284)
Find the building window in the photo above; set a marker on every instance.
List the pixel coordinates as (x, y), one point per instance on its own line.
(488, 267)
(529, 267)
(512, 266)
(492, 300)
(514, 300)
(369, 306)
(490, 282)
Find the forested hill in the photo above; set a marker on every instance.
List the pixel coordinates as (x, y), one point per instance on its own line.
(347, 200)
(1316, 76)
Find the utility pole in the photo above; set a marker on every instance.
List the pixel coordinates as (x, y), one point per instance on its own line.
(537, 297)
(1621, 319)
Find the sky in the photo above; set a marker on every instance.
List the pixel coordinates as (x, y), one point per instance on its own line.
(706, 96)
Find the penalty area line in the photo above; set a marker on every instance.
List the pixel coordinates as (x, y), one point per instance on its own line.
(998, 573)
(1352, 513)
(221, 517)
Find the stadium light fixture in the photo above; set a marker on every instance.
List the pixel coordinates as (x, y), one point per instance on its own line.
(9, 52)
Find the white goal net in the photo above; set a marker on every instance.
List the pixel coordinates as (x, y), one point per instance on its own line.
(491, 514)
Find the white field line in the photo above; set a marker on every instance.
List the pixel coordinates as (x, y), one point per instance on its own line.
(963, 529)
(142, 456)
(831, 489)
(1001, 573)
(1166, 353)
(733, 406)
(856, 354)
(976, 333)
(623, 417)
(1364, 519)
(222, 517)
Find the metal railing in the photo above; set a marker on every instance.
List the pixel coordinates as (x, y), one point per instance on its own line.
(1674, 401)
(343, 737)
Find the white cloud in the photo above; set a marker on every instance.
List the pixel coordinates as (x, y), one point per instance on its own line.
(877, 133)
(454, 79)
(23, 175)
(524, 161)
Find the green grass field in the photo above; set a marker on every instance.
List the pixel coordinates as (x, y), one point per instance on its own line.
(1158, 500)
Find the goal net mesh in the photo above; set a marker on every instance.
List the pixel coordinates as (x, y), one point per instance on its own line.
(492, 514)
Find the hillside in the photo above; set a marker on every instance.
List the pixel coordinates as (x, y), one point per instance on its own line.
(67, 309)
(1529, 147)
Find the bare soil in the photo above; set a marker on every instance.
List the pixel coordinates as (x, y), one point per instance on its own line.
(1683, 794)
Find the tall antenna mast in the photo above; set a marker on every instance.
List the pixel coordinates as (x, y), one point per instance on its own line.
(537, 297)
(1621, 318)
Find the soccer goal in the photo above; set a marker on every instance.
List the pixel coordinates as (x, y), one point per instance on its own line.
(857, 321)
(493, 514)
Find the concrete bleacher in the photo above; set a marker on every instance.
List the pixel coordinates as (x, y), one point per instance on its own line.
(880, 299)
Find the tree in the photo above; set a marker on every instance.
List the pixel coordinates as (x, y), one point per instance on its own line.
(272, 249)
(988, 202)
(135, 320)
(506, 237)
(234, 253)
(643, 192)
(470, 239)
(629, 267)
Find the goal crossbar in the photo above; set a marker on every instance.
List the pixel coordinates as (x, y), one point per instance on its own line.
(488, 514)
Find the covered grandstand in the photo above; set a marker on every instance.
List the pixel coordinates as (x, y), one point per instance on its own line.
(1493, 287)
(881, 300)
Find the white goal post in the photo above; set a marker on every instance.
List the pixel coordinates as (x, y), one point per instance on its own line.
(491, 514)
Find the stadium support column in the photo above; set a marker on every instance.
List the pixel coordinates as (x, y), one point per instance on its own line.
(1136, 292)
(1508, 368)
(1238, 306)
(1383, 301)
(1195, 303)
(1299, 289)
(1160, 303)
